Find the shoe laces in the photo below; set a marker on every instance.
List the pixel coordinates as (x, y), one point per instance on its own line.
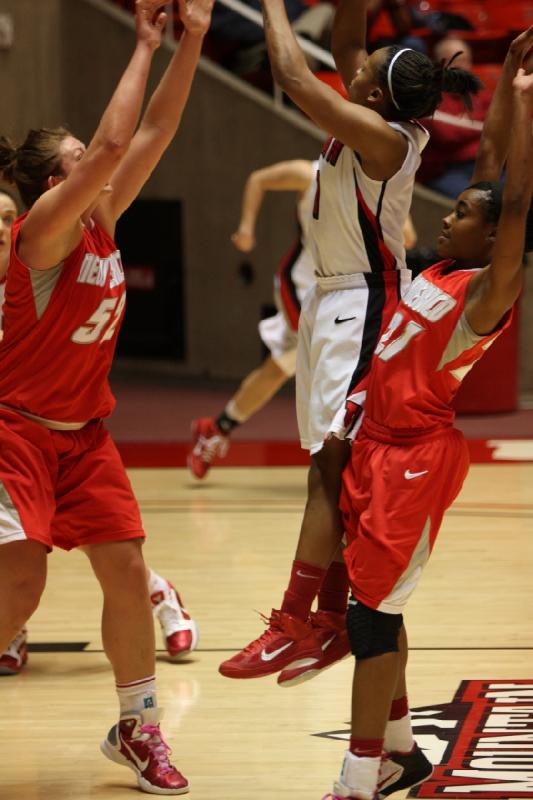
(15, 644)
(159, 749)
(167, 612)
(273, 627)
(208, 447)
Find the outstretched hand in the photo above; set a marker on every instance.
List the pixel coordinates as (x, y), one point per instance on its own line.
(519, 47)
(196, 15)
(150, 21)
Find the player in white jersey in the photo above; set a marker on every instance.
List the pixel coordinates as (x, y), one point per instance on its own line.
(365, 183)
(180, 632)
(295, 275)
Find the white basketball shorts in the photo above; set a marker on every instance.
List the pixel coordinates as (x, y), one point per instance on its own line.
(341, 320)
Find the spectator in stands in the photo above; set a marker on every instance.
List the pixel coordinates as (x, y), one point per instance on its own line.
(448, 160)
(239, 43)
(402, 22)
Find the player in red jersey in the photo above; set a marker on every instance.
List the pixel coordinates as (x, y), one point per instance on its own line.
(180, 632)
(408, 462)
(62, 480)
(364, 189)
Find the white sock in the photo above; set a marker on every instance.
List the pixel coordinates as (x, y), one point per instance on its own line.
(137, 696)
(399, 735)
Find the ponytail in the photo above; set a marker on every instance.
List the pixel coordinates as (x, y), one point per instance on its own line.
(30, 165)
(415, 84)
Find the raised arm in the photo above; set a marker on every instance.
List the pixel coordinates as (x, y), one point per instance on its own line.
(494, 143)
(348, 38)
(285, 176)
(53, 228)
(381, 148)
(496, 288)
(162, 117)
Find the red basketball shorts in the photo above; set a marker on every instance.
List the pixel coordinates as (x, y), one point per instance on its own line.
(63, 488)
(393, 499)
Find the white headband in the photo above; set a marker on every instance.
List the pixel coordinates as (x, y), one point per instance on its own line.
(389, 73)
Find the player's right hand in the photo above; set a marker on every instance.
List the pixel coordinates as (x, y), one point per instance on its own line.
(150, 21)
(243, 240)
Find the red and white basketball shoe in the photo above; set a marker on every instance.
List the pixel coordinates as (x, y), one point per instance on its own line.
(332, 637)
(286, 642)
(208, 443)
(137, 742)
(13, 659)
(179, 630)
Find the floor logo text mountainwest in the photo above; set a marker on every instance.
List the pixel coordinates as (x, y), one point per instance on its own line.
(481, 743)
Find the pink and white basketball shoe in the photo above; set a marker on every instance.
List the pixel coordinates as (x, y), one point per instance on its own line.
(137, 742)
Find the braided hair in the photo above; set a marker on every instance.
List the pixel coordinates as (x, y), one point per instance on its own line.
(492, 208)
(415, 84)
(30, 165)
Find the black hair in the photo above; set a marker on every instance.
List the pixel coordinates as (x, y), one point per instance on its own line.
(30, 165)
(417, 83)
(492, 208)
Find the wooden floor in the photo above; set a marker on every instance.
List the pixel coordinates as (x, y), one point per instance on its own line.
(227, 544)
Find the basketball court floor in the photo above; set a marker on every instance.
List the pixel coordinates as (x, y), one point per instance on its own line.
(227, 543)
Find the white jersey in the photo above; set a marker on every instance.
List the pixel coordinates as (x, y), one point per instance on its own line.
(303, 268)
(357, 222)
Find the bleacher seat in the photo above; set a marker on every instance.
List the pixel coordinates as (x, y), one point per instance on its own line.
(513, 15)
(489, 74)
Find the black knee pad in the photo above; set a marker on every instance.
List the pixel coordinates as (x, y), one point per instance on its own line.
(371, 633)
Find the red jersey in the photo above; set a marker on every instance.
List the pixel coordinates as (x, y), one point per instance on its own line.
(425, 353)
(60, 330)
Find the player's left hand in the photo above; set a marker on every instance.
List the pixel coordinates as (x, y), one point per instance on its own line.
(196, 15)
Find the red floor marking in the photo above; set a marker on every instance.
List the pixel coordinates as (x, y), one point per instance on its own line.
(252, 454)
(241, 454)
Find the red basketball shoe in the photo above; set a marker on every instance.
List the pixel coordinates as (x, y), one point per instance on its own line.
(13, 659)
(332, 637)
(136, 742)
(179, 630)
(286, 642)
(208, 443)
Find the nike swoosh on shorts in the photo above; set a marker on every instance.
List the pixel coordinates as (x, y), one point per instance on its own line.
(408, 475)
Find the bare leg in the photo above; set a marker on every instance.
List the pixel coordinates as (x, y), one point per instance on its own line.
(322, 529)
(22, 580)
(127, 621)
(258, 388)
(401, 685)
(374, 683)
